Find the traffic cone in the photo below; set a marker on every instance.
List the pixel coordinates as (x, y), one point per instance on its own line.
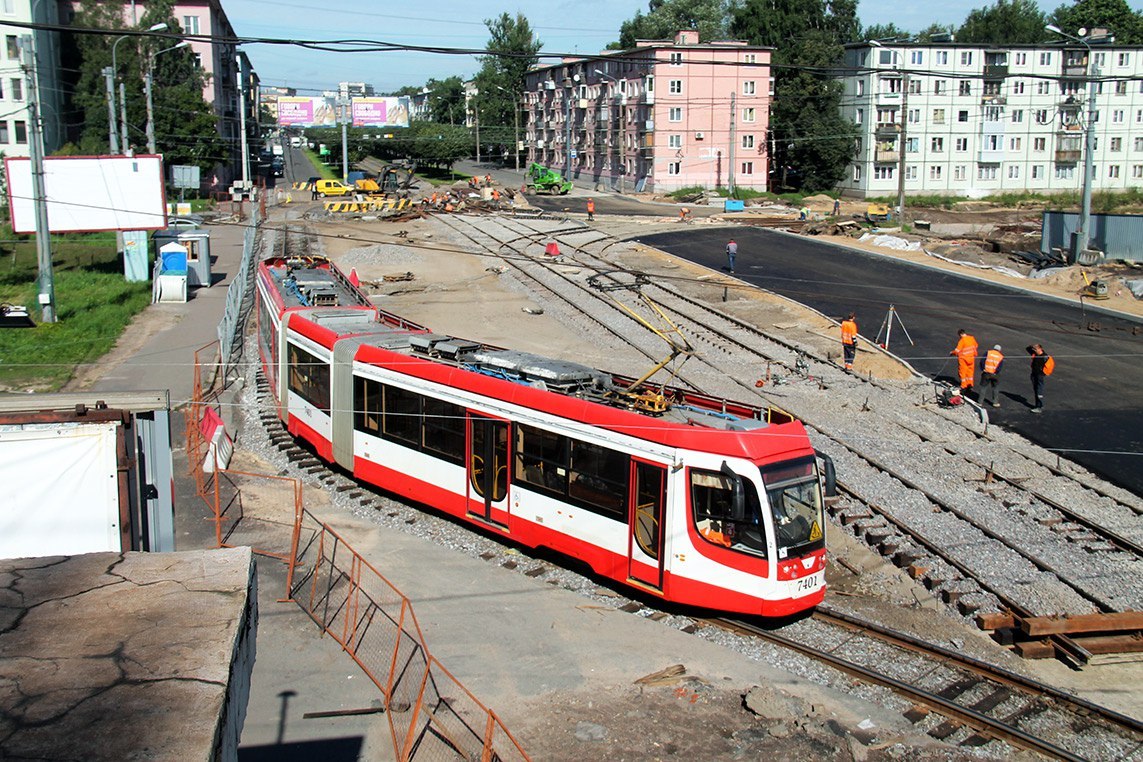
(353, 277)
(552, 249)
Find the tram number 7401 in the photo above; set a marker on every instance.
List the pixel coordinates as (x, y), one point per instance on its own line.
(812, 582)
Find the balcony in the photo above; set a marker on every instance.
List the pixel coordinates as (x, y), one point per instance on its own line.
(887, 128)
(1073, 69)
(995, 71)
(647, 97)
(989, 99)
(1067, 156)
(649, 125)
(887, 156)
(647, 142)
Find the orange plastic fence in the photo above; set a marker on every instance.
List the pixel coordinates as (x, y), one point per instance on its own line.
(431, 715)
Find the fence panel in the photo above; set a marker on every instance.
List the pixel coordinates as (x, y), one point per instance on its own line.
(1118, 236)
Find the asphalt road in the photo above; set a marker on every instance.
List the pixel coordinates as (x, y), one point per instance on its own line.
(1093, 402)
(611, 204)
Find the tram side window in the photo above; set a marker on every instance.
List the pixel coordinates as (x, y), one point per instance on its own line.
(367, 405)
(541, 459)
(712, 505)
(444, 430)
(599, 476)
(267, 334)
(309, 378)
(402, 415)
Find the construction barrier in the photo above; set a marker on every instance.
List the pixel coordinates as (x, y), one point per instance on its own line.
(431, 715)
(378, 205)
(302, 186)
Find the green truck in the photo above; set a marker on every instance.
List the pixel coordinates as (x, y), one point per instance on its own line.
(546, 180)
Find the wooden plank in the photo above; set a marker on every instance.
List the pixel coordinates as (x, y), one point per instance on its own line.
(996, 621)
(1036, 649)
(1119, 622)
(1112, 644)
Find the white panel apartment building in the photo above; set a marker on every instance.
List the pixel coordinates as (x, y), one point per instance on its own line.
(983, 120)
(14, 119)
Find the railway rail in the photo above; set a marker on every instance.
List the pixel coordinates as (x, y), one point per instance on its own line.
(734, 339)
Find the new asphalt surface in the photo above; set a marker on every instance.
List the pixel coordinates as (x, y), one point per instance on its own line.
(1093, 402)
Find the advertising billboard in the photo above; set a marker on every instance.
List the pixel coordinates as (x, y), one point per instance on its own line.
(306, 112)
(85, 194)
(380, 112)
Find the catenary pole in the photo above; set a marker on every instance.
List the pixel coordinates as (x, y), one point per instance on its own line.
(112, 136)
(901, 148)
(46, 285)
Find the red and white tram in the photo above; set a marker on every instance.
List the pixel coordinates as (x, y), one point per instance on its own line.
(699, 501)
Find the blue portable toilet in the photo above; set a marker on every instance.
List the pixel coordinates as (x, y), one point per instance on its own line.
(195, 244)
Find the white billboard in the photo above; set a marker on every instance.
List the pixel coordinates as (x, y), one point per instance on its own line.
(90, 193)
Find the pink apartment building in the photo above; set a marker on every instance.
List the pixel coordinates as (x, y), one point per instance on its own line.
(661, 116)
(221, 62)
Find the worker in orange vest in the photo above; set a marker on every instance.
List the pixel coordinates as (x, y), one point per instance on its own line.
(990, 377)
(849, 339)
(965, 354)
(591, 210)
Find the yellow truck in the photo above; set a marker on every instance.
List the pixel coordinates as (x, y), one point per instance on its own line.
(332, 188)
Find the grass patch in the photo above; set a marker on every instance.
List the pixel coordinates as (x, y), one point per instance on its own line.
(323, 171)
(19, 262)
(436, 177)
(93, 308)
(690, 190)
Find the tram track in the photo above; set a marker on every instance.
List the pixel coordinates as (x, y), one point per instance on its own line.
(735, 337)
(956, 698)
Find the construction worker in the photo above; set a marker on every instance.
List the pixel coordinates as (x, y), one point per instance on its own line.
(684, 215)
(849, 339)
(1042, 367)
(990, 377)
(731, 253)
(965, 354)
(591, 210)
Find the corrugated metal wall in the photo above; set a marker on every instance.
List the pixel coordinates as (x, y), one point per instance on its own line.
(1119, 236)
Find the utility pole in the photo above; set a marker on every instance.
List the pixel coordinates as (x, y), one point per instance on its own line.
(242, 124)
(568, 108)
(622, 136)
(112, 137)
(147, 84)
(123, 119)
(733, 137)
(516, 128)
(46, 287)
(344, 140)
(901, 148)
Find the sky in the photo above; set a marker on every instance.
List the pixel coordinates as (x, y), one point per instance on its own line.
(563, 26)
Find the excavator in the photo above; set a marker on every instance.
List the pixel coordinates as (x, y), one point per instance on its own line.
(395, 180)
(546, 180)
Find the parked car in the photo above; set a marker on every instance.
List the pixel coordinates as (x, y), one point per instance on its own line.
(277, 166)
(332, 188)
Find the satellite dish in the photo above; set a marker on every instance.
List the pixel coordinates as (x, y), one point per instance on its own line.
(1083, 31)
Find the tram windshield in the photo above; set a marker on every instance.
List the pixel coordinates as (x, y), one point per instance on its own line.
(727, 511)
(796, 502)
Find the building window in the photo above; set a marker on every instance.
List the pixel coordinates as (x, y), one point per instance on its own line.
(915, 86)
(675, 114)
(1124, 60)
(961, 145)
(1042, 116)
(916, 57)
(965, 87)
(883, 172)
(938, 116)
(1021, 59)
(856, 172)
(675, 168)
(1043, 88)
(4, 132)
(966, 58)
(886, 116)
(1013, 171)
(1117, 144)
(748, 114)
(912, 145)
(8, 7)
(190, 24)
(675, 87)
(960, 172)
(1014, 144)
(1037, 171)
(935, 172)
(1137, 170)
(748, 87)
(1139, 144)
(1039, 144)
(860, 87)
(747, 141)
(750, 58)
(674, 141)
(1018, 115)
(1100, 60)
(1121, 87)
(942, 57)
(993, 113)
(13, 47)
(747, 167)
(986, 172)
(891, 86)
(992, 142)
(1065, 172)
(1117, 116)
(676, 59)
(938, 145)
(914, 116)
(962, 115)
(859, 117)
(1018, 87)
(1045, 59)
(1113, 171)
(17, 89)
(939, 87)
(911, 172)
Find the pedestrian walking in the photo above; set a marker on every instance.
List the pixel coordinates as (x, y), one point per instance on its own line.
(313, 191)
(1042, 367)
(965, 353)
(591, 210)
(731, 253)
(836, 207)
(849, 340)
(990, 377)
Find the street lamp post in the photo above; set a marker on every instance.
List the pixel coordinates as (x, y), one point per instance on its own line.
(515, 122)
(1083, 234)
(149, 82)
(621, 152)
(115, 72)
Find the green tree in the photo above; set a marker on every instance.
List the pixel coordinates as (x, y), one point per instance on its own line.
(666, 17)
(1005, 23)
(446, 100)
(513, 49)
(1114, 15)
(186, 128)
(945, 31)
(813, 144)
(885, 32)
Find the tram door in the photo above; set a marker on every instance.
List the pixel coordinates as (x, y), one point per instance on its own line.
(487, 466)
(645, 562)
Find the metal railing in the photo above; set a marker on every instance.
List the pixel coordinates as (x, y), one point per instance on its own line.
(237, 305)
